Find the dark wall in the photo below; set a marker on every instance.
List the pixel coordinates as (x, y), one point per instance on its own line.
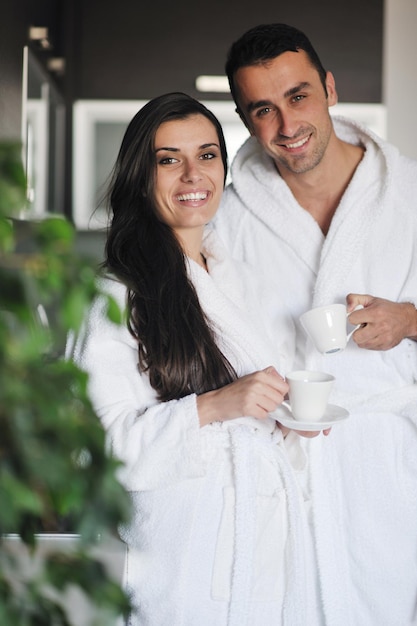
(138, 49)
(134, 49)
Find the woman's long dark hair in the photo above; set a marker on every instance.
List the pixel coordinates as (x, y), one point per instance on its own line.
(176, 344)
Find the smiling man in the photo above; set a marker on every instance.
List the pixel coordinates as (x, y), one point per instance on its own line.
(328, 211)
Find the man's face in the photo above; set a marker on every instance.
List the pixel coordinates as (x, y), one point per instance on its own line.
(284, 104)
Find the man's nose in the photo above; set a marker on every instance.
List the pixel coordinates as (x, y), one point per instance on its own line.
(287, 122)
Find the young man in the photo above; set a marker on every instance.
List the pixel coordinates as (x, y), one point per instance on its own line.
(329, 212)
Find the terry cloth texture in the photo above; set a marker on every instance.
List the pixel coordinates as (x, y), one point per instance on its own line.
(219, 533)
(363, 477)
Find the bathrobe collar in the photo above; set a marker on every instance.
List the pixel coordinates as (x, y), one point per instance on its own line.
(272, 201)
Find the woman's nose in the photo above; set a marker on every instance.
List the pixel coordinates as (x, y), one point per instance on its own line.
(191, 173)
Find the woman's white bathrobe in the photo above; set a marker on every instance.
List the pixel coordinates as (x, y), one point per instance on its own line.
(363, 476)
(218, 534)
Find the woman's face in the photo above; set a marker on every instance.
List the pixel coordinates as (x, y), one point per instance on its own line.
(189, 174)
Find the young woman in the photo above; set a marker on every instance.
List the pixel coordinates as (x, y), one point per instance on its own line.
(185, 390)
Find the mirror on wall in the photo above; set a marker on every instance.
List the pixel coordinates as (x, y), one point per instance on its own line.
(43, 137)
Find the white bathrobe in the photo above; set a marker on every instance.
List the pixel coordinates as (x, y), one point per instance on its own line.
(219, 533)
(363, 477)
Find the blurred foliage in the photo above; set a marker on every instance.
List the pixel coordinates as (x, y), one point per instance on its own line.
(12, 177)
(55, 469)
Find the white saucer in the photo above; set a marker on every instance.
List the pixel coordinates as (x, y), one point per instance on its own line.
(333, 415)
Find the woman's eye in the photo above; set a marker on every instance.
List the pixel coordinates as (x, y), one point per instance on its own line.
(167, 161)
(208, 155)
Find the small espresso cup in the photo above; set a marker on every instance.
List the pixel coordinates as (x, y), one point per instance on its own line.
(327, 327)
(309, 394)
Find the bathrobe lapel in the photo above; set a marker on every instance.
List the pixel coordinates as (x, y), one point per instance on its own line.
(275, 204)
(224, 298)
(351, 226)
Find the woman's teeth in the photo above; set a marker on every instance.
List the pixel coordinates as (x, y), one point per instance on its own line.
(200, 195)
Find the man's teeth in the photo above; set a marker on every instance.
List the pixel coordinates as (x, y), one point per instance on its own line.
(298, 144)
(193, 196)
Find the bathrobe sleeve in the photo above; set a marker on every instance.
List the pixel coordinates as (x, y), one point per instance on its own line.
(158, 443)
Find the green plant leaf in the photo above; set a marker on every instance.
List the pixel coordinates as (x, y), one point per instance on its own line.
(56, 470)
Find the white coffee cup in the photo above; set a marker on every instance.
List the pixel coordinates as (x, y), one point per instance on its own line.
(327, 327)
(309, 394)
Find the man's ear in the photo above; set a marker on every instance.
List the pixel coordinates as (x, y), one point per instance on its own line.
(332, 97)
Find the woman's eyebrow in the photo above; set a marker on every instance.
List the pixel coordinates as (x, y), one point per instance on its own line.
(209, 145)
(202, 147)
(167, 148)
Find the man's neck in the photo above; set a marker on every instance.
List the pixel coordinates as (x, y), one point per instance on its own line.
(320, 190)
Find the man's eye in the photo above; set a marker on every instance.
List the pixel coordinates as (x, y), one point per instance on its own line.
(298, 98)
(262, 112)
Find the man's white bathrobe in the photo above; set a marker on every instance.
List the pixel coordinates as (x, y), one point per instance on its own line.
(219, 532)
(363, 477)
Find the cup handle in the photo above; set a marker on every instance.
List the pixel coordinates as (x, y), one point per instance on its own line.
(357, 308)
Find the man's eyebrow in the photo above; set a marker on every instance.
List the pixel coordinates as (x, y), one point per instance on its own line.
(252, 106)
(296, 89)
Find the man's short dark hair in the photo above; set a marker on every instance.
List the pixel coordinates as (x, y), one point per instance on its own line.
(265, 42)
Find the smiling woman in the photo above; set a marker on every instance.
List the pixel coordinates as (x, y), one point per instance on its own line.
(185, 391)
(99, 126)
(190, 177)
